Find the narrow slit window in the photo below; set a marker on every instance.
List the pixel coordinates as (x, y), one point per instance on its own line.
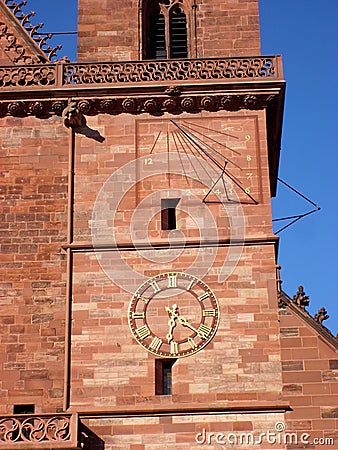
(168, 213)
(163, 376)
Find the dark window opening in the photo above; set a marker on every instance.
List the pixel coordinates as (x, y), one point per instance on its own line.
(23, 409)
(163, 376)
(157, 47)
(178, 33)
(165, 30)
(168, 213)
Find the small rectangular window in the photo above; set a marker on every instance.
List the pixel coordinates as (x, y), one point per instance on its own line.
(168, 213)
(23, 409)
(163, 376)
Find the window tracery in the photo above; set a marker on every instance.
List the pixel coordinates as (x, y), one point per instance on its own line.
(166, 29)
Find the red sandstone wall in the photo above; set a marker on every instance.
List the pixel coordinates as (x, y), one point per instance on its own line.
(109, 369)
(32, 270)
(310, 375)
(110, 31)
(228, 28)
(34, 189)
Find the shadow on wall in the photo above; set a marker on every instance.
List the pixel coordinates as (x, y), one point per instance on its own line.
(89, 440)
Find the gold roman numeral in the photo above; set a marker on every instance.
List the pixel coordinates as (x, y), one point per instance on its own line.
(172, 281)
(155, 287)
(209, 313)
(192, 343)
(155, 343)
(190, 285)
(143, 299)
(173, 347)
(143, 332)
(203, 296)
(203, 331)
(138, 315)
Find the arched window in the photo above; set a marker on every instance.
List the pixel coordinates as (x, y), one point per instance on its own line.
(165, 29)
(156, 37)
(178, 33)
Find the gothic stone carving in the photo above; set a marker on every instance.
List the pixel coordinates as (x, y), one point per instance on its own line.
(72, 116)
(300, 298)
(321, 315)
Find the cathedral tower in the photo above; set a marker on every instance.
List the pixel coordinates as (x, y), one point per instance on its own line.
(139, 276)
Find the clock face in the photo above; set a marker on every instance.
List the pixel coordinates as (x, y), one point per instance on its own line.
(173, 315)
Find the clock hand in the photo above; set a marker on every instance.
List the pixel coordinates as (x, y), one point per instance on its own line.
(172, 325)
(183, 321)
(172, 321)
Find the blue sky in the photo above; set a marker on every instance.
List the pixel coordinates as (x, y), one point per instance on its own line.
(305, 33)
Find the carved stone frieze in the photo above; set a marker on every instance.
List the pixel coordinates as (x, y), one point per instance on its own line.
(170, 104)
(130, 105)
(151, 105)
(108, 106)
(202, 69)
(188, 103)
(57, 107)
(227, 70)
(27, 76)
(44, 429)
(85, 106)
(209, 102)
(138, 105)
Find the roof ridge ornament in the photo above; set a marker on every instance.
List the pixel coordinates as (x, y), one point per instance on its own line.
(300, 298)
(32, 30)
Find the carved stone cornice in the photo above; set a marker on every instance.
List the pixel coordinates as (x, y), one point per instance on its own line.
(156, 105)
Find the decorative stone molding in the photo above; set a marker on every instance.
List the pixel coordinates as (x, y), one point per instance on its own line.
(173, 90)
(28, 76)
(16, 51)
(116, 105)
(154, 87)
(34, 431)
(185, 69)
(227, 70)
(188, 104)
